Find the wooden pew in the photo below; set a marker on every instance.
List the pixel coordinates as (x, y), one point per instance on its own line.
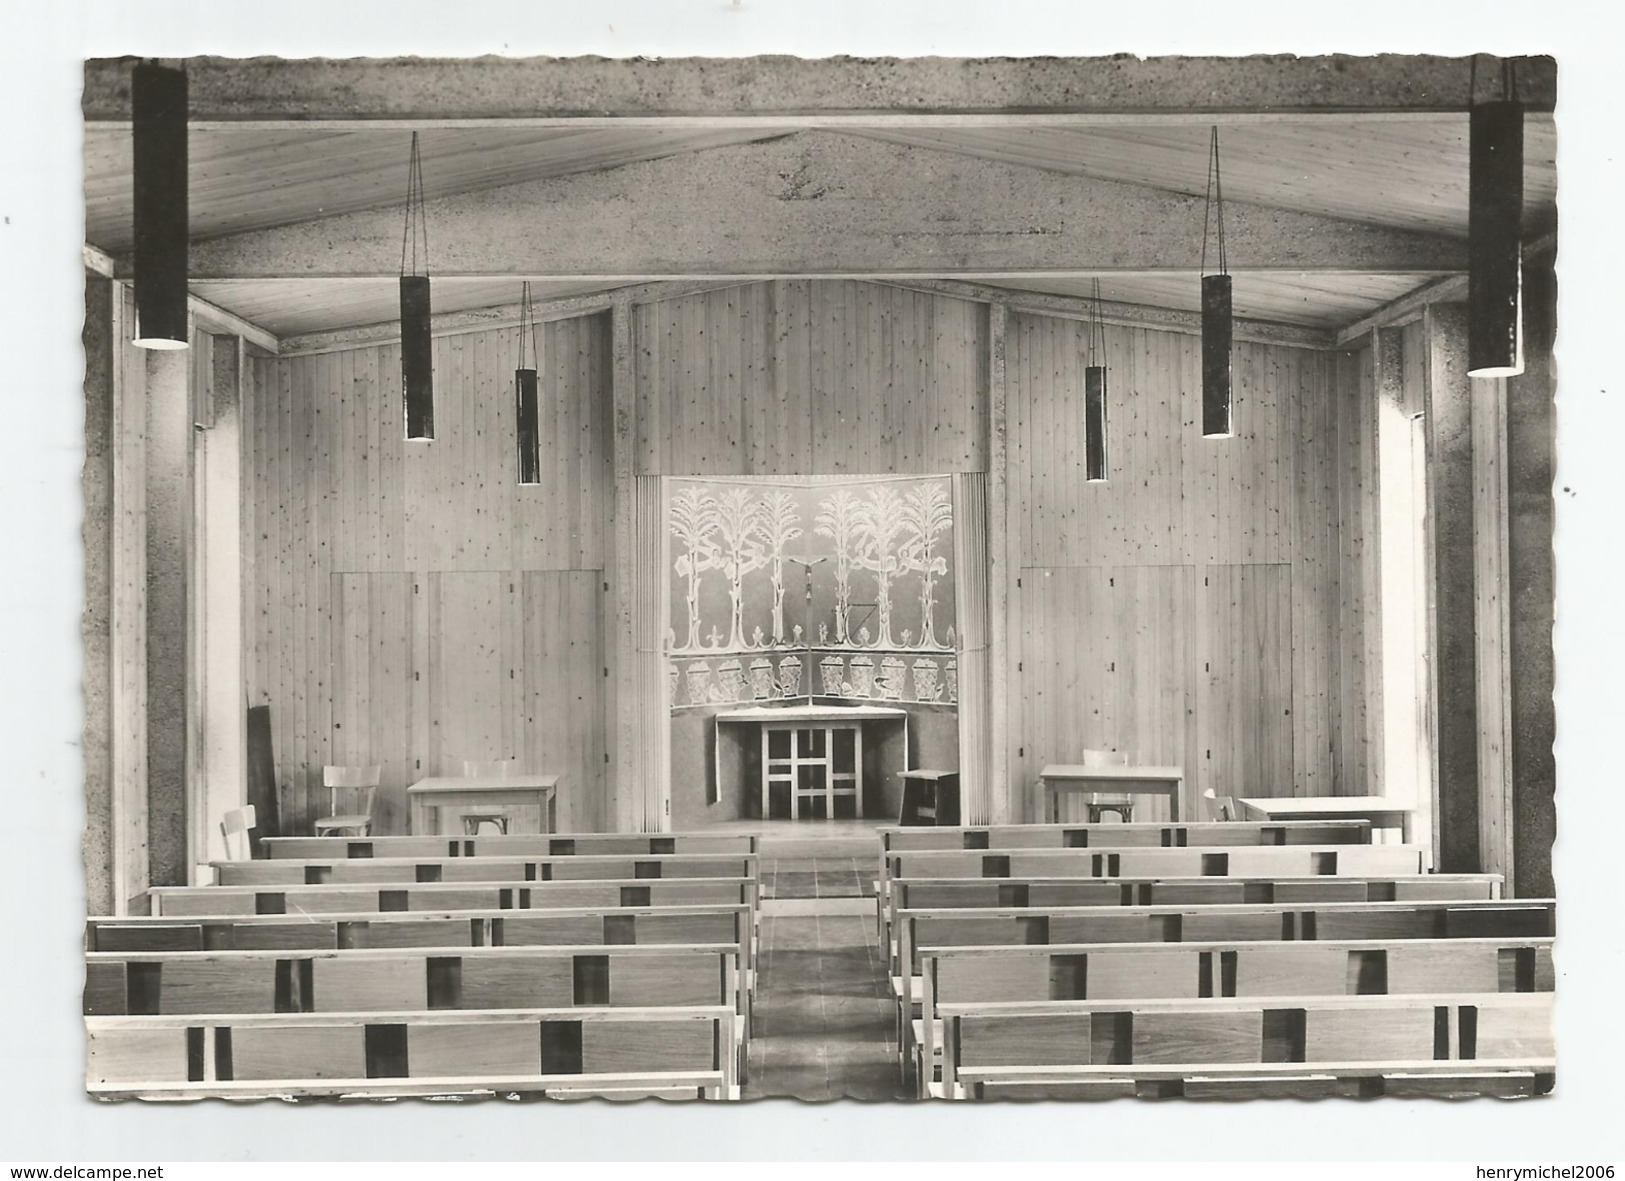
(1269, 861)
(963, 927)
(162, 983)
(573, 926)
(675, 1051)
(175, 901)
(998, 837)
(293, 872)
(1126, 973)
(585, 927)
(414, 979)
(960, 927)
(1259, 864)
(510, 845)
(1304, 1046)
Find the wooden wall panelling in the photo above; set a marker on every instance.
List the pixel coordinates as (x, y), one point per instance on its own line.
(562, 708)
(467, 671)
(373, 666)
(1245, 690)
(1238, 490)
(1106, 667)
(1316, 564)
(1361, 576)
(866, 378)
(781, 424)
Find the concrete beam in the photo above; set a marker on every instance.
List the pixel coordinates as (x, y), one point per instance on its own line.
(1451, 289)
(791, 91)
(818, 203)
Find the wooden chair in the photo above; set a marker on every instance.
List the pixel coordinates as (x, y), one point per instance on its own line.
(1099, 803)
(1222, 808)
(235, 826)
(352, 787)
(479, 769)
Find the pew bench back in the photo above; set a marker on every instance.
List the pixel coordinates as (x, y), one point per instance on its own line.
(547, 1051)
(177, 901)
(296, 872)
(408, 979)
(1159, 1042)
(509, 845)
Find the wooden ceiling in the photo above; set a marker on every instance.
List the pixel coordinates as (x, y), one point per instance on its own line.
(1406, 173)
(253, 179)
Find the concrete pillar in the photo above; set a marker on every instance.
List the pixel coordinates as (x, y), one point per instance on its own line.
(96, 486)
(1450, 514)
(169, 511)
(1531, 449)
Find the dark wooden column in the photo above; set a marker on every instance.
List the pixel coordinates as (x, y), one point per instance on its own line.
(1452, 612)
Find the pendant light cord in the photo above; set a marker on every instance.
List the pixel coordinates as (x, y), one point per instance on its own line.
(1214, 207)
(417, 225)
(527, 322)
(1097, 327)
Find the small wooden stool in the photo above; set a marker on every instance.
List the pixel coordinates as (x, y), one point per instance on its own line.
(930, 797)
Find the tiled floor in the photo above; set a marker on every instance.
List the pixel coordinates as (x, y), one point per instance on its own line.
(820, 877)
(823, 1005)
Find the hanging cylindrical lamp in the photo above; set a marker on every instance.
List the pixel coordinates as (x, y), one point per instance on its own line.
(527, 409)
(158, 119)
(1216, 312)
(1094, 396)
(417, 346)
(1495, 236)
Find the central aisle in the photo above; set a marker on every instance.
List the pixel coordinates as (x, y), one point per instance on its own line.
(823, 1004)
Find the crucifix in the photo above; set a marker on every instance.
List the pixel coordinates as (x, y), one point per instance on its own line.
(807, 562)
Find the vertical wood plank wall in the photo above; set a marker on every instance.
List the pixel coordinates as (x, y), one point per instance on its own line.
(810, 377)
(1209, 597)
(1208, 604)
(409, 603)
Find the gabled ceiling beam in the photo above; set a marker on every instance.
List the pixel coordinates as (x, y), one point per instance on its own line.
(796, 92)
(566, 307)
(820, 204)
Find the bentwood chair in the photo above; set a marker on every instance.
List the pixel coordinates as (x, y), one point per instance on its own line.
(349, 792)
(235, 826)
(479, 769)
(1221, 807)
(1099, 803)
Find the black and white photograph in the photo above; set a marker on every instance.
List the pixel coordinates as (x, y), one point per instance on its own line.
(1016, 584)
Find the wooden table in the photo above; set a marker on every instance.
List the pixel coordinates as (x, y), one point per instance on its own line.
(530, 801)
(1123, 780)
(1379, 810)
(797, 720)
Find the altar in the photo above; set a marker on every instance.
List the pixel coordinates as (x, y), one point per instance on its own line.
(812, 754)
